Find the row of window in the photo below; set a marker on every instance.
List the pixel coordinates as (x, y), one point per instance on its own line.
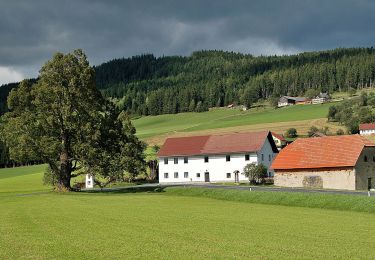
(186, 175)
(206, 159)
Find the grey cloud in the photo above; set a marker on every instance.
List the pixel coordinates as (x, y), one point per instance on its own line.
(31, 31)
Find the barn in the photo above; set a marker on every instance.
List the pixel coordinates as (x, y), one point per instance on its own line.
(330, 162)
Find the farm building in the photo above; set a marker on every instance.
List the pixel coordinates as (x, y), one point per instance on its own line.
(321, 98)
(367, 129)
(332, 162)
(279, 139)
(289, 101)
(214, 158)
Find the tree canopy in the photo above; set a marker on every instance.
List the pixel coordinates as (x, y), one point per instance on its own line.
(64, 121)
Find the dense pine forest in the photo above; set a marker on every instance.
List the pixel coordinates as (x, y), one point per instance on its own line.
(148, 85)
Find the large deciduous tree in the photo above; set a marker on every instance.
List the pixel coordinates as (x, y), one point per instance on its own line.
(64, 120)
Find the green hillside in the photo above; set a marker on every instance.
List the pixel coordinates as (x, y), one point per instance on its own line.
(221, 118)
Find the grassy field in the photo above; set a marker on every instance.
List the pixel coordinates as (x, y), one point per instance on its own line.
(176, 224)
(150, 126)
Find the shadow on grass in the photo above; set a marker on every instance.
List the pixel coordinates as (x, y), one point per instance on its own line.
(133, 189)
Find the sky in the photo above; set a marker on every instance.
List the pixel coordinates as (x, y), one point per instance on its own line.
(31, 31)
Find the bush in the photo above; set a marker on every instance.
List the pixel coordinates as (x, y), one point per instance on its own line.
(291, 133)
(312, 131)
(340, 132)
(255, 173)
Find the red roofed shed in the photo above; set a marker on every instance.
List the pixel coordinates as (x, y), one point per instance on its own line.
(339, 162)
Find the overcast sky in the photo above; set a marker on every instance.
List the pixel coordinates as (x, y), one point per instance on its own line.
(32, 30)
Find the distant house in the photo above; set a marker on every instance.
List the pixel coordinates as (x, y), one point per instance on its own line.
(321, 98)
(279, 139)
(290, 101)
(367, 129)
(332, 162)
(214, 158)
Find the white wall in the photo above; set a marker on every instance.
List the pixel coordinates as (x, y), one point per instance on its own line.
(268, 156)
(367, 132)
(217, 166)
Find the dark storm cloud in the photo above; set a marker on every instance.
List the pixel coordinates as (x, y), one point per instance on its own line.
(31, 31)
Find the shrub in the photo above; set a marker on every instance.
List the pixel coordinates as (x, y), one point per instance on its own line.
(255, 173)
(340, 132)
(291, 133)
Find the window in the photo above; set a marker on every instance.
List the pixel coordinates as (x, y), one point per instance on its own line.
(166, 160)
(176, 175)
(186, 175)
(198, 175)
(175, 160)
(186, 159)
(269, 157)
(247, 157)
(262, 157)
(228, 175)
(227, 158)
(165, 175)
(206, 159)
(365, 158)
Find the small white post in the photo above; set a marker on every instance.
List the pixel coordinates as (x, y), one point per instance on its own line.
(89, 181)
(369, 194)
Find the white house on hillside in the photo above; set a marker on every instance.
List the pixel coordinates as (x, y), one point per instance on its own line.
(214, 158)
(367, 129)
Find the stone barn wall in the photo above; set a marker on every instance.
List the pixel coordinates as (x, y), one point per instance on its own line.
(336, 178)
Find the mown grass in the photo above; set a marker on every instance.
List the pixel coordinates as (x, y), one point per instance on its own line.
(22, 179)
(293, 199)
(178, 224)
(221, 118)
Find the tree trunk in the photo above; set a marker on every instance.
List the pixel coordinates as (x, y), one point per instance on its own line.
(65, 166)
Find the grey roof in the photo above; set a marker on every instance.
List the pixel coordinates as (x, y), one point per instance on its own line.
(297, 99)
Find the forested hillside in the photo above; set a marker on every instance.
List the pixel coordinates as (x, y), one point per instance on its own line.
(146, 85)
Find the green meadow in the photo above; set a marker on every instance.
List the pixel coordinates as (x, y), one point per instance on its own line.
(221, 118)
(178, 223)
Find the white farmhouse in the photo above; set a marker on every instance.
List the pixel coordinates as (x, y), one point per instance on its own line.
(366, 129)
(214, 158)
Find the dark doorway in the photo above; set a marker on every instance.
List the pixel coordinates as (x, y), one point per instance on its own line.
(369, 184)
(236, 177)
(207, 177)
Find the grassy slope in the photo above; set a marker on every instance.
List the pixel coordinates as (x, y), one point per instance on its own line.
(22, 179)
(222, 118)
(175, 224)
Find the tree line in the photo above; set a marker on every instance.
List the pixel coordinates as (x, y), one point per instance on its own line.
(216, 78)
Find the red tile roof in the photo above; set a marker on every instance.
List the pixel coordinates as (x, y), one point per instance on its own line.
(280, 137)
(366, 126)
(321, 152)
(215, 144)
